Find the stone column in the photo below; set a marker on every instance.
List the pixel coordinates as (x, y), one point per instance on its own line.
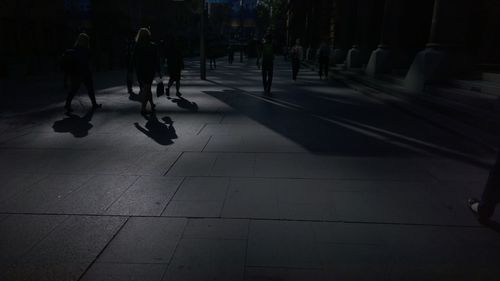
(353, 59)
(381, 59)
(436, 62)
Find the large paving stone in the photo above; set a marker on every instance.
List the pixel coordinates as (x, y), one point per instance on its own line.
(145, 240)
(45, 195)
(124, 272)
(208, 259)
(148, 196)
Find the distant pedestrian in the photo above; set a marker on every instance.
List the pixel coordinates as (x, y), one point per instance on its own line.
(296, 55)
(323, 60)
(485, 207)
(230, 54)
(146, 63)
(267, 64)
(175, 64)
(76, 64)
(212, 56)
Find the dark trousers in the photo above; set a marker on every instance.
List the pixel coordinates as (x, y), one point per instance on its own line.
(145, 82)
(267, 78)
(213, 63)
(295, 68)
(230, 58)
(76, 82)
(323, 66)
(491, 193)
(174, 77)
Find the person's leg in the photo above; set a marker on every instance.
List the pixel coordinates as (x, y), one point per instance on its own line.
(178, 86)
(270, 74)
(89, 84)
(320, 69)
(491, 193)
(75, 83)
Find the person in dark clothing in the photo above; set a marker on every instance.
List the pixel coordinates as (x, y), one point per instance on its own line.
(230, 54)
(296, 55)
(146, 63)
(485, 207)
(79, 71)
(212, 56)
(175, 64)
(267, 64)
(323, 60)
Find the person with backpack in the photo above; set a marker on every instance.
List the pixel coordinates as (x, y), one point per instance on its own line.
(267, 64)
(323, 60)
(146, 63)
(175, 64)
(76, 66)
(296, 55)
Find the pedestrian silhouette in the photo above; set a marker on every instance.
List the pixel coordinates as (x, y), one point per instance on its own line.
(78, 126)
(212, 55)
(76, 66)
(230, 54)
(146, 63)
(161, 132)
(267, 64)
(323, 60)
(175, 64)
(296, 55)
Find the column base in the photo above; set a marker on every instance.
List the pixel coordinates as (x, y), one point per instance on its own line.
(354, 58)
(430, 65)
(380, 61)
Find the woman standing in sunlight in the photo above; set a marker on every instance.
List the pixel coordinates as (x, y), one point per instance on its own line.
(146, 63)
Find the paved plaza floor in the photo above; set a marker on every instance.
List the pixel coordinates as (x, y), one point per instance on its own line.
(317, 182)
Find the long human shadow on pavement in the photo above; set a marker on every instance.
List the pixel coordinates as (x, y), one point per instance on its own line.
(161, 131)
(185, 104)
(78, 126)
(331, 135)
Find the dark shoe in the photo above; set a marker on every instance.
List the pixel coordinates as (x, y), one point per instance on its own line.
(474, 207)
(97, 106)
(178, 94)
(68, 108)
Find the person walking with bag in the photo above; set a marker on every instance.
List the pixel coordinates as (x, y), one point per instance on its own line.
(77, 69)
(296, 55)
(146, 63)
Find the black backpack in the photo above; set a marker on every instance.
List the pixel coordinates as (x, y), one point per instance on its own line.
(68, 61)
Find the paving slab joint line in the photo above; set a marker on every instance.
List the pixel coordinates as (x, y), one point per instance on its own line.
(45, 236)
(175, 162)
(171, 199)
(121, 194)
(204, 147)
(175, 250)
(251, 219)
(103, 249)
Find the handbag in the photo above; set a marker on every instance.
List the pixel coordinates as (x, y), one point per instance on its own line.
(160, 89)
